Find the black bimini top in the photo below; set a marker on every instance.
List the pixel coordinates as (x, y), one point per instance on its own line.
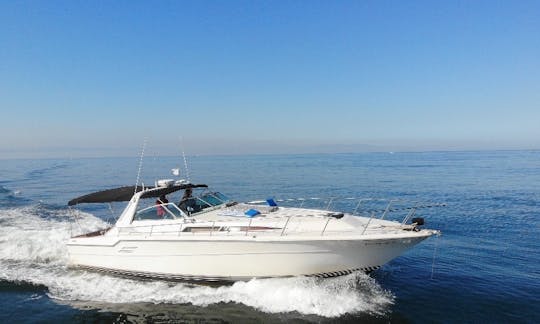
(125, 193)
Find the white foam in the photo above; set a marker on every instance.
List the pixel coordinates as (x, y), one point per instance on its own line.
(33, 250)
(330, 297)
(25, 236)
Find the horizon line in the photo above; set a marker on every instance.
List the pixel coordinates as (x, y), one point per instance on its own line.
(273, 154)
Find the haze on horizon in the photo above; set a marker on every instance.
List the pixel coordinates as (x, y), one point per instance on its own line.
(238, 77)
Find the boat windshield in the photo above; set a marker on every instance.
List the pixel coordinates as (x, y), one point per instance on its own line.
(214, 198)
(207, 200)
(186, 207)
(159, 212)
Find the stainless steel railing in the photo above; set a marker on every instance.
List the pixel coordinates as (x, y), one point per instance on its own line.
(191, 226)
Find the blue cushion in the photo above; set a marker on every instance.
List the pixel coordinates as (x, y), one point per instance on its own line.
(252, 213)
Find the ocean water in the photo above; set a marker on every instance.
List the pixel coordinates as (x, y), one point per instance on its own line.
(484, 268)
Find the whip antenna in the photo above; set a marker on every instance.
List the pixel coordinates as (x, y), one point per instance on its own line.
(140, 166)
(184, 157)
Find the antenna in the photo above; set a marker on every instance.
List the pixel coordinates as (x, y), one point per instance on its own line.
(140, 165)
(184, 157)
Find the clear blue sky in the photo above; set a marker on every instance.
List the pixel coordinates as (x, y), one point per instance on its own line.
(90, 78)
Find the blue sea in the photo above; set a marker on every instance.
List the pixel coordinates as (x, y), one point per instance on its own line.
(484, 268)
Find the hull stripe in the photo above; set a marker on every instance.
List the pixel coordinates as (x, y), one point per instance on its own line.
(343, 272)
(189, 278)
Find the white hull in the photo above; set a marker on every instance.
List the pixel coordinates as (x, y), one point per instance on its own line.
(233, 259)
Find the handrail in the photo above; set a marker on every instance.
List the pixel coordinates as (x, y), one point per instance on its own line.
(409, 215)
(326, 224)
(387, 209)
(231, 225)
(284, 227)
(329, 203)
(242, 230)
(190, 220)
(249, 225)
(367, 224)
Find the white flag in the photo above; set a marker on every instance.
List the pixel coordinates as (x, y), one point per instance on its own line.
(175, 171)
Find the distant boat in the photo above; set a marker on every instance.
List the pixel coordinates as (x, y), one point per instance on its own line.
(208, 237)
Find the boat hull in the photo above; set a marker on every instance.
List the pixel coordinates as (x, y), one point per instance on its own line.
(236, 260)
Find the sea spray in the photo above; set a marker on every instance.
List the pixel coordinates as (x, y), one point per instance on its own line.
(323, 297)
(37, 234)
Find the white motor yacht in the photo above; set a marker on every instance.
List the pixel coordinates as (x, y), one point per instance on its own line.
(208, 237)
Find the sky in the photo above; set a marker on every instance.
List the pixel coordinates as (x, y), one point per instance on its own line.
(99, 78)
